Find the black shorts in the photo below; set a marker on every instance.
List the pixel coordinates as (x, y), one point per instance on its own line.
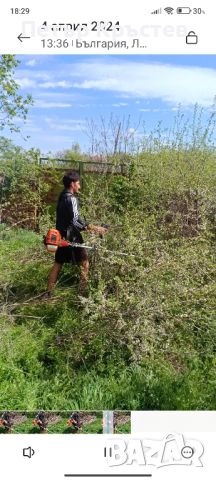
(74, 255)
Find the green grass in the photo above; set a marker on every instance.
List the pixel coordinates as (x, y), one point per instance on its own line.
(126, 428)
(67, 354)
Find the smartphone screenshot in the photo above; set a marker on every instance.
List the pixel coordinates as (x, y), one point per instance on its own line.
(107, 240)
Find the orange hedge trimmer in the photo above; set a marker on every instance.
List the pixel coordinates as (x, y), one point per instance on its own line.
(53, 240)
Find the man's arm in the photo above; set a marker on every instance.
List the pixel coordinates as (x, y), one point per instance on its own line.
(77, 221)
(80, 224)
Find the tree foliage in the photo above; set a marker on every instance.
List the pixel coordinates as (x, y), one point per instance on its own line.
(12, 104)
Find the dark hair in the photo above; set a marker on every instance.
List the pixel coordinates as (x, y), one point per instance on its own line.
(69, 177)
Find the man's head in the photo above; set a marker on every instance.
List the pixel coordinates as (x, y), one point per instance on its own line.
(71, 181)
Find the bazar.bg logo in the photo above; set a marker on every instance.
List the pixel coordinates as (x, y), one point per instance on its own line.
(173, 449)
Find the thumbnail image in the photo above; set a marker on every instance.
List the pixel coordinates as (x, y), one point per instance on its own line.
(122, 422)
(116, 422)
(51, 422)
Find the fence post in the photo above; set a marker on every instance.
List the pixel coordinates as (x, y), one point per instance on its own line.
(81, 173)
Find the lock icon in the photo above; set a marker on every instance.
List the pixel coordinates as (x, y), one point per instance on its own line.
(191, 38)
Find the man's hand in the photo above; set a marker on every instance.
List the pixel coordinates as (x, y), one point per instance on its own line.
(97, 229)
(102, 231)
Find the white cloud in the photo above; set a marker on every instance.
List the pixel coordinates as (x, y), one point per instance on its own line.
(26, 82)
(173, 84)
(31, 63)
(70, 125)
(69, 121)
(43, 94)
(65, 127)
(120, 104)
(157, 110)
(41, 104)
(33, 129)
(30, 78)
(59, 84)
(170, 83)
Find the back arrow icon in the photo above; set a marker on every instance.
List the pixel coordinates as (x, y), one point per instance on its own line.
(21, 38)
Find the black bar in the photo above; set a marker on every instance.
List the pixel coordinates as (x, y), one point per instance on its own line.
(138, 475)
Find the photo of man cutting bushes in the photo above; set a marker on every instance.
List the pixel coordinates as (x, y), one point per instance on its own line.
(108, 302)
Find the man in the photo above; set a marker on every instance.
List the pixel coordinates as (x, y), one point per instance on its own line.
(70, 225)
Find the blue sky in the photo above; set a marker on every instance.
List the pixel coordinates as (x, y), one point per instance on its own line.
(69, 89)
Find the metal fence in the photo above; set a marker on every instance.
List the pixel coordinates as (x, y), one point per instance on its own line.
(86, 166)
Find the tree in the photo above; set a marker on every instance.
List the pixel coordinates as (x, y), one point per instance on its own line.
(74, 153)
(12, 104)
(112, 136)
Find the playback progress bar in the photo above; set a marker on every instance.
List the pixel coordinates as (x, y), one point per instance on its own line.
(108, 475)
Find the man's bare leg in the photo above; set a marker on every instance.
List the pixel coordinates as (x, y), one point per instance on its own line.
(84, 265)
(53, 276)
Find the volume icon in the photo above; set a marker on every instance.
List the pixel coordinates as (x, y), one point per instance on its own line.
(157, 12)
